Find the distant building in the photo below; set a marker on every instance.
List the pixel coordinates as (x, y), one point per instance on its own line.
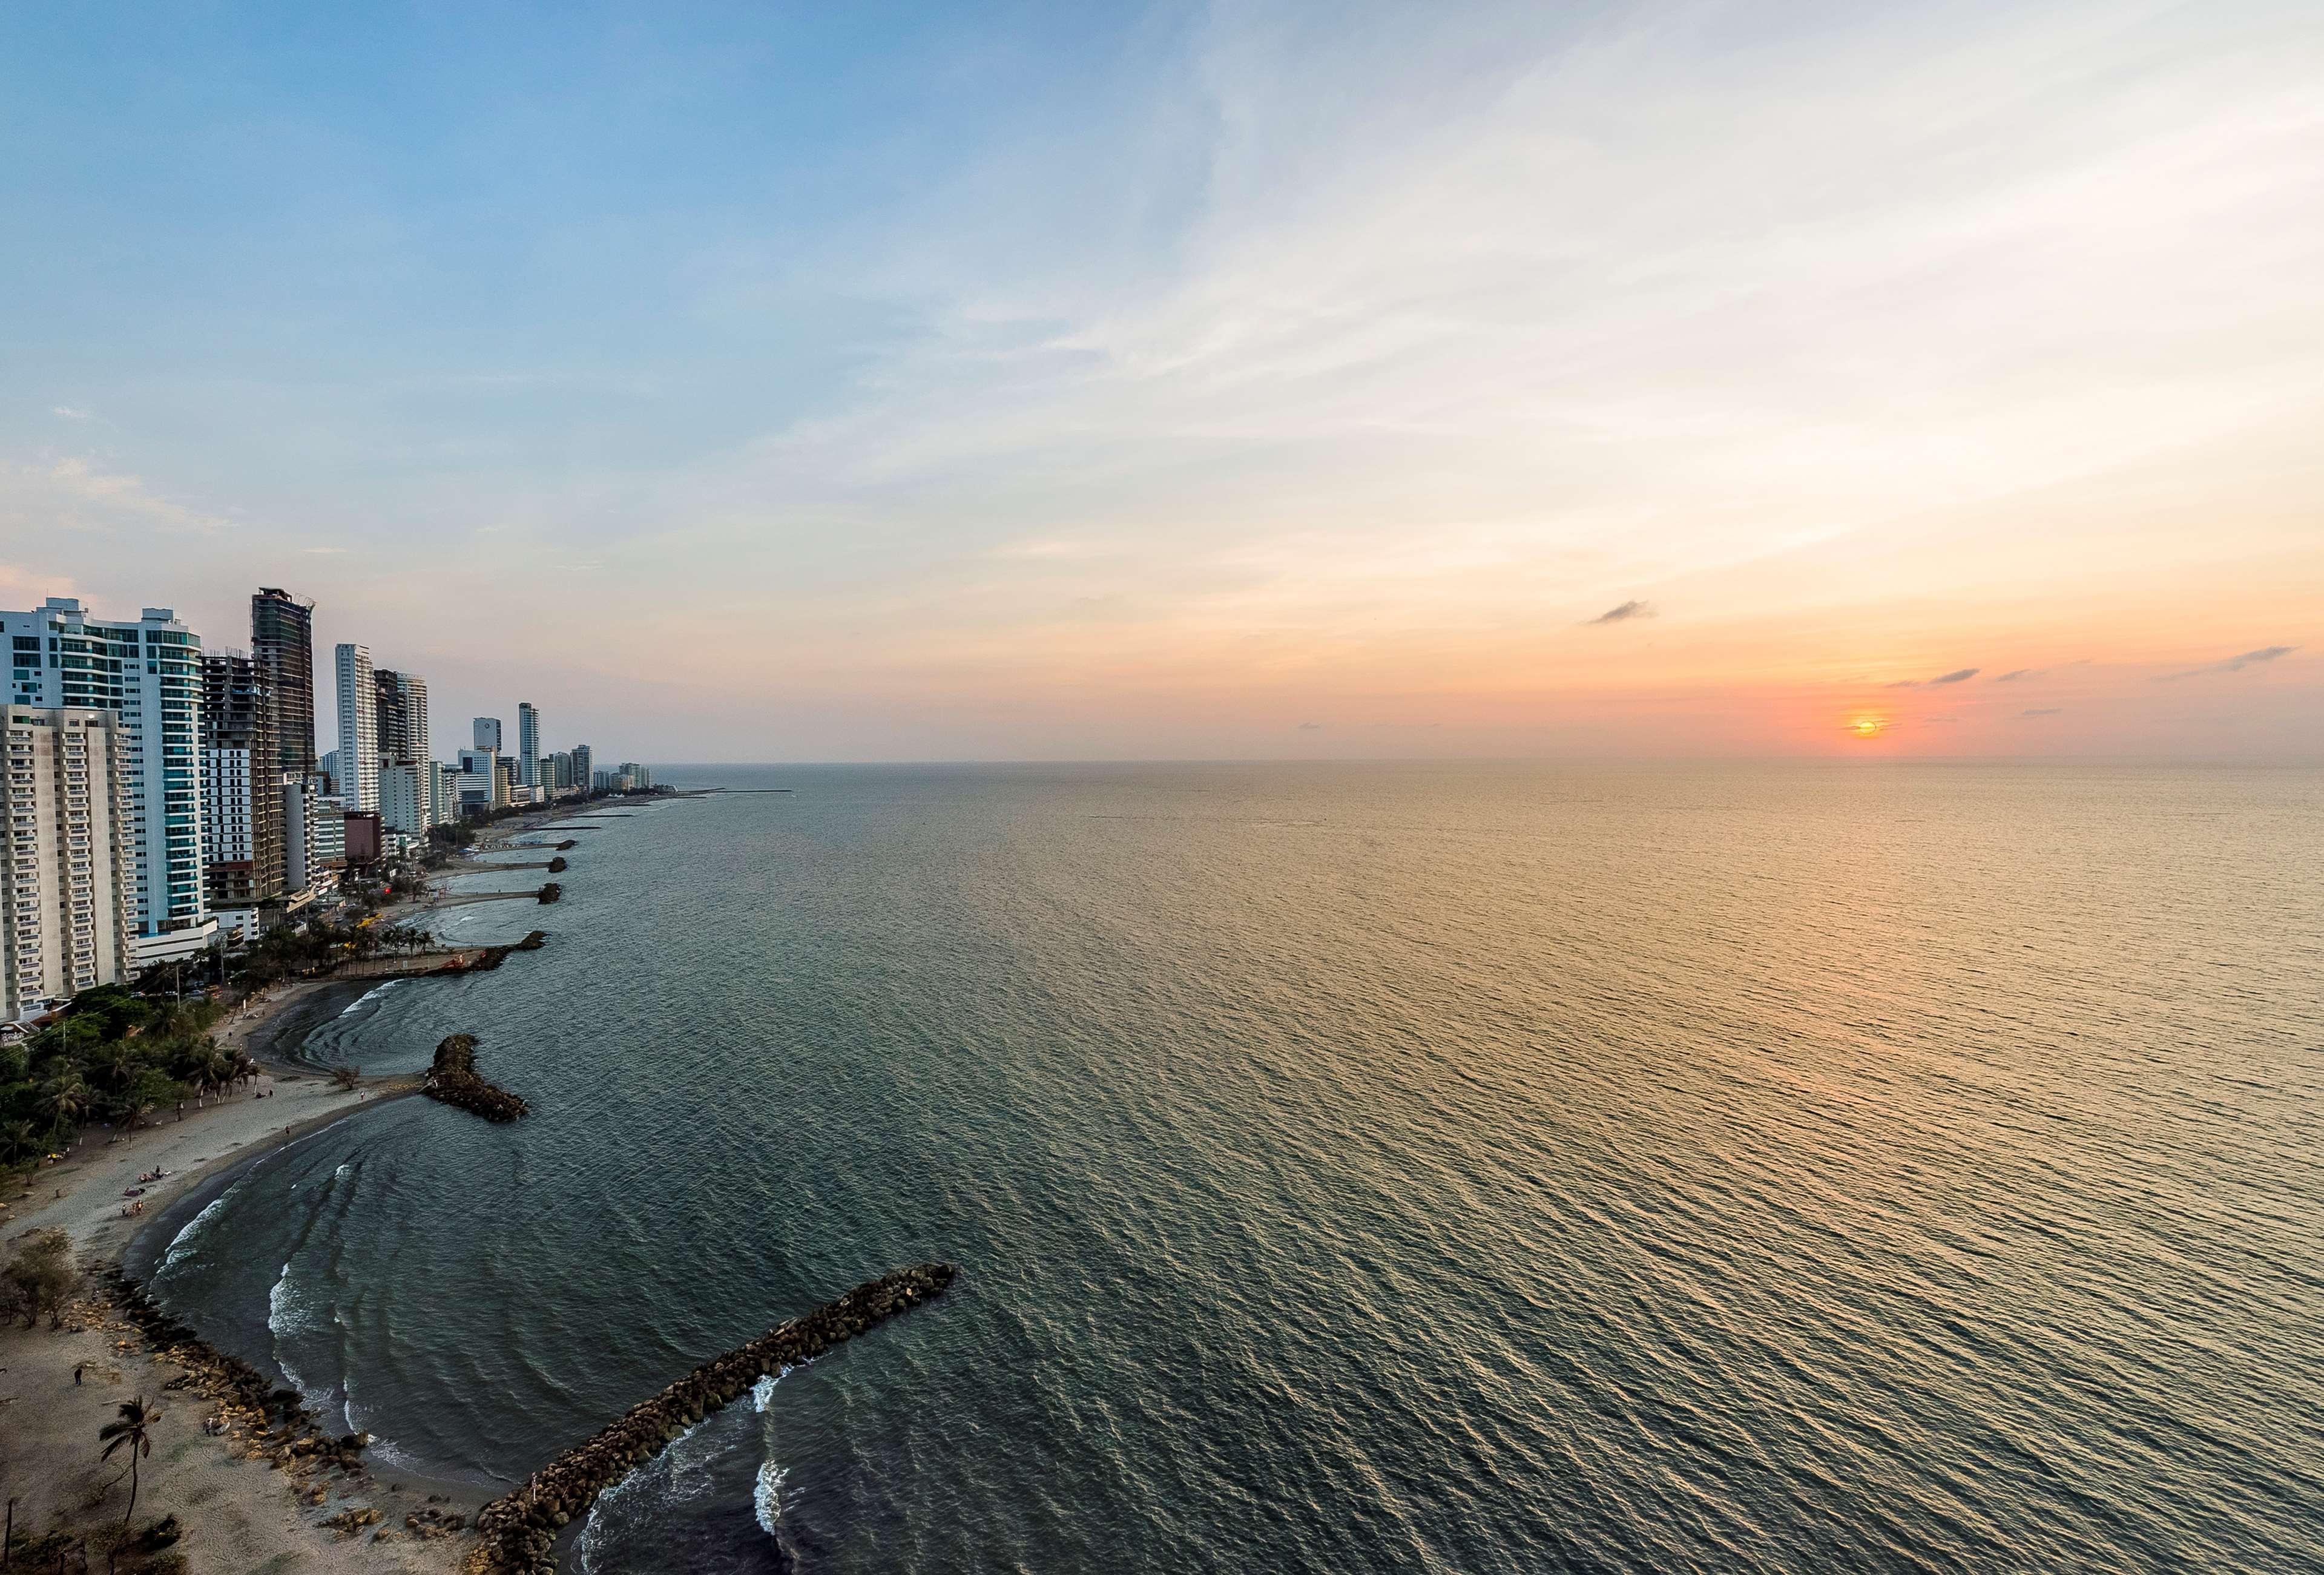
(330, 772)
(482, 785)
(66, 878)
(358, 772)
(403, 795)
(242, 812)
(488, 734)
(582, 776)
(363, 839)
(528, 743)
(401, 707)
(303, 812)
(149, 673)
(282, 645)
(330, 829)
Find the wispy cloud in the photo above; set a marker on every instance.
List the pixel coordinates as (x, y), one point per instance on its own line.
(2235, 664)
(2042, 711)
(1957, 676)
(71, 414)
(2019, 673)
(1311, 727)
(75, 494)
(1624, 613)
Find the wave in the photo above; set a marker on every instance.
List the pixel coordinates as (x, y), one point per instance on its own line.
(767, 1491)
(371, 994)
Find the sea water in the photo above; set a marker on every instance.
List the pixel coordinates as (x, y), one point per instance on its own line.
(1445, 1169)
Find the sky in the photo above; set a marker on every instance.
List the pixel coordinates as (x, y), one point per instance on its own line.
(787, 382)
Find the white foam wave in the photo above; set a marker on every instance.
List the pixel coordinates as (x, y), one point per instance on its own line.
(371, 994)
(767, 1497)
(182, 1245)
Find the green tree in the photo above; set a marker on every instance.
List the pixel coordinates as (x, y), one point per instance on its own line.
(40, 1277)
(133, 1429)
(65, 1099)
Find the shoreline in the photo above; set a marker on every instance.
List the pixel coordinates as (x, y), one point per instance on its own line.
(58, 1385)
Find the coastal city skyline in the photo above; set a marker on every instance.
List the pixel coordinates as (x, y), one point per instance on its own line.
(1211, 384)
(1262, 786)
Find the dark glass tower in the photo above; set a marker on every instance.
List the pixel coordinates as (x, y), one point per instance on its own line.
(282, 644)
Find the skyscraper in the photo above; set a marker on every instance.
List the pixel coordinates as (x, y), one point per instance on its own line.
(358, 728)
(488, 734)
(150, 673)
(64, 854)
(528, 743)
(582, 776)
(282, 644)
(402, 716)
(390, 723)
(243, 858)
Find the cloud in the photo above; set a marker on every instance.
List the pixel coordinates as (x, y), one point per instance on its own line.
(1311, 727)
(2235, 664)
(2019, 673)
(74, 494)
(1625, 612)
(71, 414)
(2042, 711)
(1957, 676)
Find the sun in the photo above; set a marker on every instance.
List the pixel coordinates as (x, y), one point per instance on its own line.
(1869, 726)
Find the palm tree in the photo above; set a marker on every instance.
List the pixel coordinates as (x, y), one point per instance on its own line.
(113, 1064)
(65, 1099)
(18, 1140)
(134, 1428)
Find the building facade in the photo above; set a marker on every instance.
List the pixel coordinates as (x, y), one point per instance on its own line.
(403, 797)
(243, 862)
(528, 743)
(358, 695)
(65, 854)
(486, 734)
(401, 712)
(282, 645)
(149, 673)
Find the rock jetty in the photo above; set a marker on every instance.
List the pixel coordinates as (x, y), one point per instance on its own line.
(551, 892)
(257, 1420)
(454, 1080)
(494, 956)
(519, 1530)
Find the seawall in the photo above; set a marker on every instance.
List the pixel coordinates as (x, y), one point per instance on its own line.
(519, 1530)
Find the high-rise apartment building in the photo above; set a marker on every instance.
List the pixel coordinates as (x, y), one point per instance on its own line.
(528, 743)
(282, 644)
(358, 728)
(65, 877)
(583, 777)
(402, 716)
(488, 734)
(403, 798)
(243, 860)
(149, 673)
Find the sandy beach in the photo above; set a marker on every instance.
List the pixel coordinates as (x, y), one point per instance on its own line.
(239, 1515)
(240, 1512)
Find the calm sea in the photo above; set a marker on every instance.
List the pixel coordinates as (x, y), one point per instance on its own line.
(1476, 1168)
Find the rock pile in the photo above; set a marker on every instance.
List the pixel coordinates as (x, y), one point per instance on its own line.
(494, 956)
(454, 1081)
(519, 1530)
(551, 892)
(246, 1409)
(556, 866)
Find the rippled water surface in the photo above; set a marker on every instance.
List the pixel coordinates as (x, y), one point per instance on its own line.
(1452, 1169)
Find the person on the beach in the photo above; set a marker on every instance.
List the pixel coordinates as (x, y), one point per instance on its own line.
(77, 1371)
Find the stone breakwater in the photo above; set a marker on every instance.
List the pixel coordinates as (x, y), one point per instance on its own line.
(454, 1080)
(495, 955)
(257, 1420)
(519, 1530)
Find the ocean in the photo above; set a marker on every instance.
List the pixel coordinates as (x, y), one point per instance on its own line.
(1471, 1168)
